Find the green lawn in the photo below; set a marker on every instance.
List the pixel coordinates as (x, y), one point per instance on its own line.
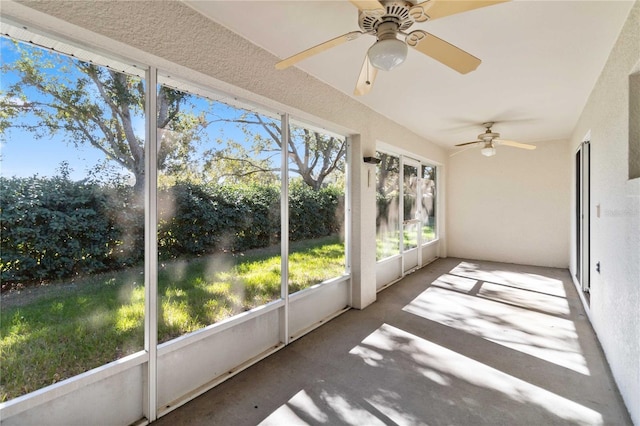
(73, 327)
(388, 244)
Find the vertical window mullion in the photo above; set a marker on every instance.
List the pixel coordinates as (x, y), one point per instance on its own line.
(347, 204)
(284, 226)
(151, 244)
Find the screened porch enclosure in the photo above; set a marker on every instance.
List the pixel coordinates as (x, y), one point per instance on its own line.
(169, 251)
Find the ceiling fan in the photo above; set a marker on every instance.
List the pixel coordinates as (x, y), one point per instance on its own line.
(489, 139)
(386, 19)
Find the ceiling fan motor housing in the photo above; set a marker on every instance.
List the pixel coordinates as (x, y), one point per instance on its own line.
(488, 136)
(395, 11)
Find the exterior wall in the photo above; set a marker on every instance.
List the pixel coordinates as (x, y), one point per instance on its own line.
(512, 207)
(615, 234)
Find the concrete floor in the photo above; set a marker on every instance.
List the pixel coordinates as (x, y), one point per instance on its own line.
(459, 343)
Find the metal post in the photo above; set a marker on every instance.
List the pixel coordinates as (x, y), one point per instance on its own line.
(284, 227)
(151, 243)
(401, 213)
(348, 217)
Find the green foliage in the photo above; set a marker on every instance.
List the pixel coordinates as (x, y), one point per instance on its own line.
(197, 219)
(93, 105)
(314, 213)
(54, 228)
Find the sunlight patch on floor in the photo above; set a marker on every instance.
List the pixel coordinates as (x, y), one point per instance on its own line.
(528, 299)
(321, 405)
(502, 317)
(398, 349)
(525, 281)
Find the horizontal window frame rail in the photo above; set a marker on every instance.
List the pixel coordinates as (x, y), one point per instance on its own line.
(48, 393)
(429, 243)
(316, 287)
(218, 327)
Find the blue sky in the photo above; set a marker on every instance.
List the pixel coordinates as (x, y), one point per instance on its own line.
(23, 155)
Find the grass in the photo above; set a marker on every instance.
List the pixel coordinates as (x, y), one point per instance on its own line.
(59, 334)
(388, 244)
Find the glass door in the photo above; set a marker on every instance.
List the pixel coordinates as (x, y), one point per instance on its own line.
(582, 206)
(411, 220)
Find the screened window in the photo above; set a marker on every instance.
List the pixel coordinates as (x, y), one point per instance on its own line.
(387, 205)
(428, 195)
(219, 211)
(411, 219)
(74, 181)
(72, 216)
(317, 183)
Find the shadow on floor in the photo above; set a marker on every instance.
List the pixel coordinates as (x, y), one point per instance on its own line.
(457, 342)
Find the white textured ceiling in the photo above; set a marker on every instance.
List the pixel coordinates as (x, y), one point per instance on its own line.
(540, 60)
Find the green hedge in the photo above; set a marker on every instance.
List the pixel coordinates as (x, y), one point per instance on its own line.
(54, 228)
(314, 213)
(197, 219)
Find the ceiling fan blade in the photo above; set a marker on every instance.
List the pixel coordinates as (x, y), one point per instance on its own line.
(285, 63)
(435, 9)
(469, 143)
(366, 78)
(442, 51)
(461, 150)
(514, 144)
(367, 4)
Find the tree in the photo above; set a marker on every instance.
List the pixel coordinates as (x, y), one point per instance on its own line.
(388, 173)
(98, 106)
(93, 105)
(312, 155)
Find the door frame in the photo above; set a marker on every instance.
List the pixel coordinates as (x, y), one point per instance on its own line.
(582, 203)
(411, 258)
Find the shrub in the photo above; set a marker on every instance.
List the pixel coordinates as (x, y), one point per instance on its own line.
(196, 219)
(54, 228)
(314, 213)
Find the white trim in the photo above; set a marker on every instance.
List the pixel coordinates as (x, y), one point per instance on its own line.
(428, 243)
(312, 327)
(56, 390)
(284, 227)
(151, 244)
(314, 288)
(61, 45)
(167, 408)
(399, 152)
(585, 303)
(348, 210)
(210, 330)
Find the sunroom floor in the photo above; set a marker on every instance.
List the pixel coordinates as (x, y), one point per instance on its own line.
(459, 342)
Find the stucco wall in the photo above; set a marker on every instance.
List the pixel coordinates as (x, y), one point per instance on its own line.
(615, 234)
(512, 207)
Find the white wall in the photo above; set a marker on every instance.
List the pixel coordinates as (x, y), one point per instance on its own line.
(615, 235)
(512, 207)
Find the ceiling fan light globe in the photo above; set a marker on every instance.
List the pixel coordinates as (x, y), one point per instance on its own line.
(488, 151)
(387, 54)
